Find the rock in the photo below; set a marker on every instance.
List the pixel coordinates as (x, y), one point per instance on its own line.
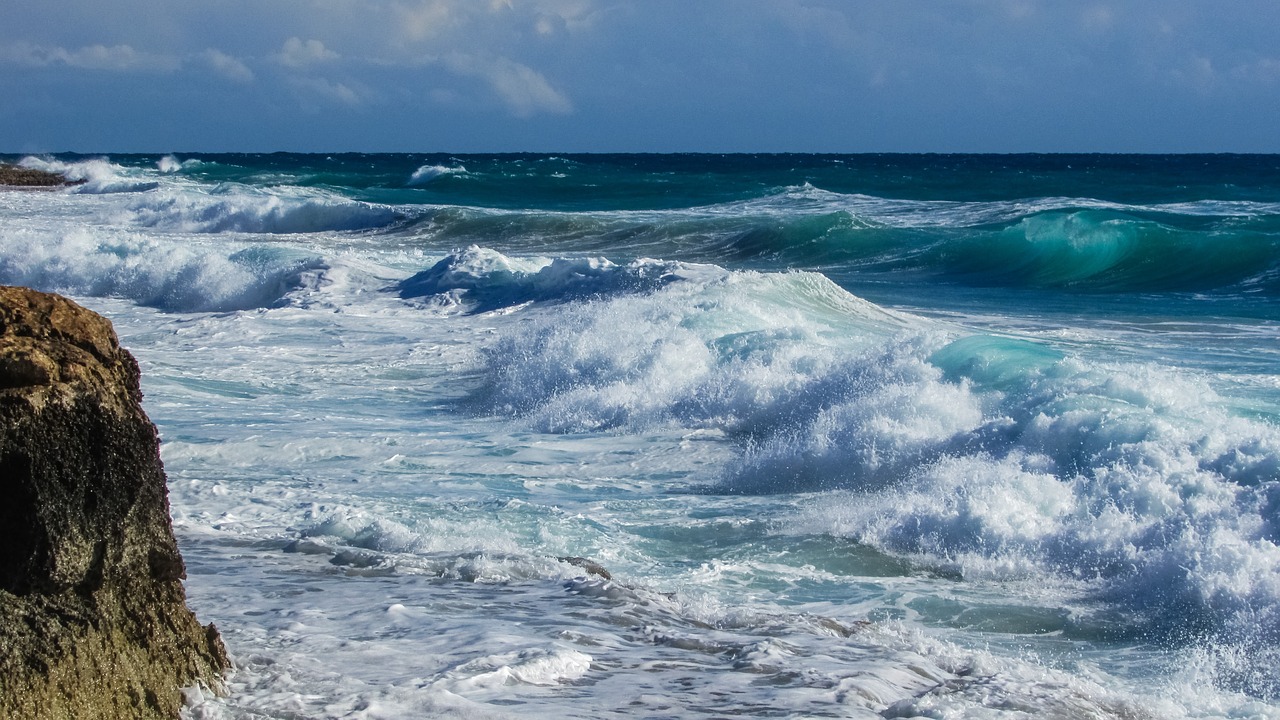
(93, 615)
(591, 566)
(13, 175)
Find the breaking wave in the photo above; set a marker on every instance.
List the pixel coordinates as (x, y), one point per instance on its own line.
(427, 173)
(159, 274)
(237, 208)
(992, 456)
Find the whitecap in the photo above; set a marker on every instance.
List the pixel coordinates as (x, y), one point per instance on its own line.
(427, 173)
(152, 272)
(240, 208)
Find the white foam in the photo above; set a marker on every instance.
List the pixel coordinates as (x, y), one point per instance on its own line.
(533, 666)
(708, 349)
(864, 420)
(1128, 476)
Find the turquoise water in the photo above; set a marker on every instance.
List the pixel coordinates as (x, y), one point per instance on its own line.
(884, 436)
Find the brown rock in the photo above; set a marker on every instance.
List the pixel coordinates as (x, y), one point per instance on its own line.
(15, 176)
(591, 566)
(93, 616)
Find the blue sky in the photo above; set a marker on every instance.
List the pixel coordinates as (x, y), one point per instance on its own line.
(648, 76)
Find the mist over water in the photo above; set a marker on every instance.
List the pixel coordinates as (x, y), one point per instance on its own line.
(881, 436)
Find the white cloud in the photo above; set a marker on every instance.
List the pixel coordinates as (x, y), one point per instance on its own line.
(117, 58)
(422, 20)
(1097, 18)
(1196, 72)
(297, 53)
(524, 90)
(469, 24)
(568, 15)
(1265, 70)
(335, 92)
(228, 67)
(1019, 8)
(573, 14)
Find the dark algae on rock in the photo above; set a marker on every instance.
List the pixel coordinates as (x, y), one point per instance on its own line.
(93, 615)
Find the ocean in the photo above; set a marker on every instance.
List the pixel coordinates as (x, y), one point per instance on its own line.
(678, 436)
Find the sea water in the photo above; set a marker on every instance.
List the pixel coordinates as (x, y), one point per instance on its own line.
(680, 436)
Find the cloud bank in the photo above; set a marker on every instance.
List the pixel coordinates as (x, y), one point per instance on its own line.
(715, 75)
(116, 58)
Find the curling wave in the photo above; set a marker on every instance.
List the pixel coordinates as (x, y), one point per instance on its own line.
(1073, 244)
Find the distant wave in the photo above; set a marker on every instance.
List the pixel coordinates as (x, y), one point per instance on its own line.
(171, 164)
(894, 212)
(427, 173)
(1057, 243)
(239, 208)
(181, 205)
(1108, 251)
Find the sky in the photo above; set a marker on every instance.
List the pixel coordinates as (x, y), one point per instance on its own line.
(639, 76)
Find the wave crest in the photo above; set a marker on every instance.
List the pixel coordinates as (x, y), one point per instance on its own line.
(236, 208)
(427, 173)
(484, 279)
(158, 274)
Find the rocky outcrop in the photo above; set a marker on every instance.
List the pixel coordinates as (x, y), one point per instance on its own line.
(17, 176)
(93, 616)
